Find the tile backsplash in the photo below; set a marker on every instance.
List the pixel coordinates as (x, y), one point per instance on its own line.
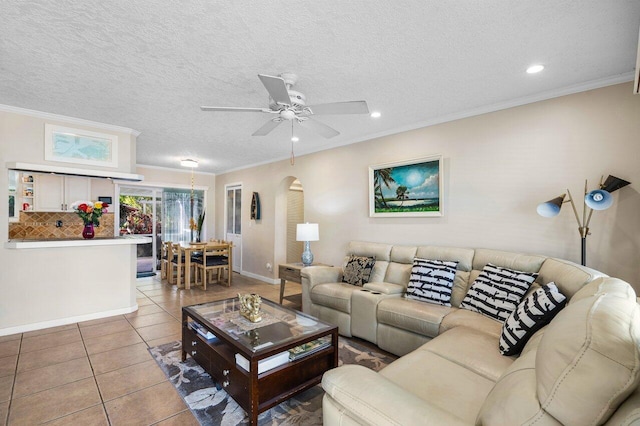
(42, 226)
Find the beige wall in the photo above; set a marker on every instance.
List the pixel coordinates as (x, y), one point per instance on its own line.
(497, 168)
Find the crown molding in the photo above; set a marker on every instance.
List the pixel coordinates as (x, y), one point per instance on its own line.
(73, 171)
(70, 120)
(181, 170)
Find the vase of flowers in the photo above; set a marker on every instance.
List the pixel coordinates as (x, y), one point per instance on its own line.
(90, 213)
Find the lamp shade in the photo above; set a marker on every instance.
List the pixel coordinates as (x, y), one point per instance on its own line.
(613, 184)
(551, 208)
(307, 232)
(598, 199)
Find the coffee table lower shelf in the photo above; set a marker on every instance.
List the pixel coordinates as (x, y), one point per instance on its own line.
(256, 393)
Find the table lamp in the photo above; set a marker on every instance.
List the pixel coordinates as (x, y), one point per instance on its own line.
(307, 232)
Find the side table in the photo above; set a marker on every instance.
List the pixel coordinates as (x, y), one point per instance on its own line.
(291, 272)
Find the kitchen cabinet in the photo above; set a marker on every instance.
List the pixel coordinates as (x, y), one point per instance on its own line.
(55, 193)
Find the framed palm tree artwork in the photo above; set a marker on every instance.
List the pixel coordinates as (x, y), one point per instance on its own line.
(411, 188)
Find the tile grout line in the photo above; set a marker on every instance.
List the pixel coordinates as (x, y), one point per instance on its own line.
(93, 372)
(15, 378)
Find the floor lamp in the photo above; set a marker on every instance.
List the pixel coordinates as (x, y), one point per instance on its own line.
(598, 199)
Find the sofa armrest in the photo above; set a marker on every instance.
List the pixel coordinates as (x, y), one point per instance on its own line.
(314, 275)
(321, 274)
(372, 399)
(384, 288)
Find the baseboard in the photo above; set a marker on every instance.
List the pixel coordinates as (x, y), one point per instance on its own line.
(64, 321)
(260, 277)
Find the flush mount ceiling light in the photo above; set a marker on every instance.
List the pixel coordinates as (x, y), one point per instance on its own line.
(375, 114)
(189, 163)
(294, 139)
(533, 69)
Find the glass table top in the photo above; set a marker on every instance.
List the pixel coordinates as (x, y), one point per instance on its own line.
(278, 324)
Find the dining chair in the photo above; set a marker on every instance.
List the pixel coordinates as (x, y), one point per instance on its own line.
(165, 259)
(215, 257)
(176, 264)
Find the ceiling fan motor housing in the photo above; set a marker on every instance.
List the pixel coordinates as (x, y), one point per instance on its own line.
(298, 100)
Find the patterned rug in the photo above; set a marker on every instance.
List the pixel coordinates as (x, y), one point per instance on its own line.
(215, 407)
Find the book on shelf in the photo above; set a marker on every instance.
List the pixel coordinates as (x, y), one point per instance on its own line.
(198, 328)
(264, 364)
(309, 348)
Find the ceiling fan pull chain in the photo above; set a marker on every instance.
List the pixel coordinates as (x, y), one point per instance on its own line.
(293, 157)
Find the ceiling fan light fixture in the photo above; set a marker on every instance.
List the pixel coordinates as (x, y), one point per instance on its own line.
(534, 69)
(375, 114)
(189, 163)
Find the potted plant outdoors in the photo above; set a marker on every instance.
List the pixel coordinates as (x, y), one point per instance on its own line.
(90, 213)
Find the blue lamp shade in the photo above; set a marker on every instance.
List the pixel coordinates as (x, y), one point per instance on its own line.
(598, 199)
(551, 208)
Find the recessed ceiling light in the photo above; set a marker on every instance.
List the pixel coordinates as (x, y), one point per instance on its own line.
(535, 69)
(294, 139)
(375, 114)
(189, 163)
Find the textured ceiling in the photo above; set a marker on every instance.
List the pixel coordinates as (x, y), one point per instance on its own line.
(149, 65)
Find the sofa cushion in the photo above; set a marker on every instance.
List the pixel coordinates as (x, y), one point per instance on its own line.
(604, 285)
(333, 295)
(440, 382)
(411, 315)
(506, 259)
(587, 361)
(358, 270)
(474, 350)
(534, 312)
(431, 281)
(474, 320)
(591, 349)
(382, 253)
(497, 291)
(568, 276)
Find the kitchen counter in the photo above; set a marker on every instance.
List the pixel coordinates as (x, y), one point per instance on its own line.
(74, 242)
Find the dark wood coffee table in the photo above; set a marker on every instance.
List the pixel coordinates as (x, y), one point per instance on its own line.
(236, 338)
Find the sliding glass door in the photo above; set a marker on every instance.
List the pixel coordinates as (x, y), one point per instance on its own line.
(178, 210)
(140, 214)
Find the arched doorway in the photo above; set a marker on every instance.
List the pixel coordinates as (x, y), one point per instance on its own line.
(289, 212)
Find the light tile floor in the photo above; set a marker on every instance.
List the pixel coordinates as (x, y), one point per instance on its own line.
(100, 372)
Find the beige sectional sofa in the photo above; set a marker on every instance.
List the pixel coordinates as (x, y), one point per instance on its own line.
(582, 368)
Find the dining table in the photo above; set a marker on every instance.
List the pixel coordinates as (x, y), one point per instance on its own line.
(187, 249)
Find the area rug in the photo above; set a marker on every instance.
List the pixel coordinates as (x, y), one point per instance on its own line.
(213, 406)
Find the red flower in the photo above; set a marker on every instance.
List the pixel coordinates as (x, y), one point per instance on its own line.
(82, 207)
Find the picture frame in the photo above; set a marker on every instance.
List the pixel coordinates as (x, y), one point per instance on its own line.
(410, 188)
(69, 145)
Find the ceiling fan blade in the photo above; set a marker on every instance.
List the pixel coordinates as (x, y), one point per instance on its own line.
(320, 128)
(236, 109)
(267, 127)
(277, 89)
(350, 107)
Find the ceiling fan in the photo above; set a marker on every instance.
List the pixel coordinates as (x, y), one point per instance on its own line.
(290, 105)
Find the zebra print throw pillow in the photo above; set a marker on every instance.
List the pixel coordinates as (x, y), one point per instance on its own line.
(533, 313)
(431, 281)
(497, 291)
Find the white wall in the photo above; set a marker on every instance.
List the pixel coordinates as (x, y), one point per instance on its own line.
(34, 288)
(497, 168)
